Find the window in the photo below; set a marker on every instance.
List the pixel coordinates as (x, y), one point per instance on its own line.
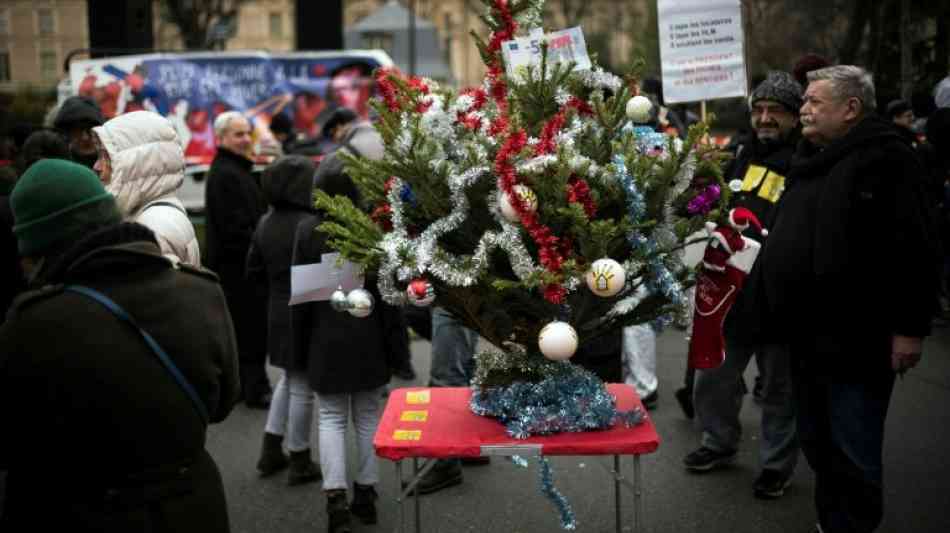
(4, 65)
(48, 64)
(44, 21)
(276, 24)
(379, 40)
(4, 22)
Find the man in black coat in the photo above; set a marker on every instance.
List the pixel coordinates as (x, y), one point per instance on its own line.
(75, 120)
(847, 277)
(99, 434)
(757, 174)
(234, 203)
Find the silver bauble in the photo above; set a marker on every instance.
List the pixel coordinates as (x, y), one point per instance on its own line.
(338, 301)
(361, 303)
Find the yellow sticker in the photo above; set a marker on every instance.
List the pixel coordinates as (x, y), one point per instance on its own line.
(753, 177)
(773, 187)
(414, 416)
(407, 434)
(416, 397)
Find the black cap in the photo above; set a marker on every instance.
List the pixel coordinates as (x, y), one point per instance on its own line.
(281, 123)
(340, 116)
(896, 107)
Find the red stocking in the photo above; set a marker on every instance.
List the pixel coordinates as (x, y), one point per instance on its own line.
(715, 293)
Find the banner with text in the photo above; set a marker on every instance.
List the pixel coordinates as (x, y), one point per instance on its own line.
(701, 49)
(191, 89)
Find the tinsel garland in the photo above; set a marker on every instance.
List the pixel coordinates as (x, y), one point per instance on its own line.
(661, 281)
(578, 192)
(570, 399)
(568, 519)
(598, 78)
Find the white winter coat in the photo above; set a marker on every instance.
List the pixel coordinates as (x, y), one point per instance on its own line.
(148, 167)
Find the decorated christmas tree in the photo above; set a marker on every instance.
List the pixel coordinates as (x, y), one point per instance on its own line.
(536, 208)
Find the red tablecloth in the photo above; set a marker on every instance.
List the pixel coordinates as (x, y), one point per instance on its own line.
(437, 422)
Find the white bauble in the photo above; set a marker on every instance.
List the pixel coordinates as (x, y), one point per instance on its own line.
(558, 341)
(338, 301)
(527, 196)
(638, 109)
(606, 277)
(360, 303)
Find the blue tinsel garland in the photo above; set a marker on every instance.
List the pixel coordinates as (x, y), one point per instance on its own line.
(572, 400)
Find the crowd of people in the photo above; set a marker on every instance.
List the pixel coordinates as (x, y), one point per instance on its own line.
(127, 337)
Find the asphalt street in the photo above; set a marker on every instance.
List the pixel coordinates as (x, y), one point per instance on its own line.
(503, 497)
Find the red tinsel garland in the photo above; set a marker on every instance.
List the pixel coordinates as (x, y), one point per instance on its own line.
(578, 192)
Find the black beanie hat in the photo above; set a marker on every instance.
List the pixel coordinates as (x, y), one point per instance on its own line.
(779, 87)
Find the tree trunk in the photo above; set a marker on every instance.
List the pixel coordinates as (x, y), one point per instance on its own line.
(860, 16)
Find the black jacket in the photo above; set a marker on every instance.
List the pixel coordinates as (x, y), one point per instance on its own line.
(12, 274)
(99, 436)
(776, 157)
(288, 186)
(850, 260)
(234, 203)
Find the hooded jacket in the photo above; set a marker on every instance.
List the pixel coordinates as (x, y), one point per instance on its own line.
(287, 186)
(851, 258)
(148, 167)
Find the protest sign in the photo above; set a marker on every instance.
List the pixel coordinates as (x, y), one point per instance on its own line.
(564, 47)
(701, 49)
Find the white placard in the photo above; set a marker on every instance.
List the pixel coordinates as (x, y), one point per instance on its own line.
(317, 281)
(564, 46)
(701, 50)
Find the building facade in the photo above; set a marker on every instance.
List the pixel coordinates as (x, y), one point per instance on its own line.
(37, 35)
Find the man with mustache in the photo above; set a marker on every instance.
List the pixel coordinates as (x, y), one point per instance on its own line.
(757, 177)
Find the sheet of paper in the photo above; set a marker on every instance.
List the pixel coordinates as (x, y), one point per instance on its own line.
(317, 281)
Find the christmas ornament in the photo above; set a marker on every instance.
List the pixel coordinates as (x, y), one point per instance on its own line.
(527, 197)
(420, 292)
(360, 303)
(638, 109)
(606, 277)
(558, 341)
(726, 262)
(338, 300)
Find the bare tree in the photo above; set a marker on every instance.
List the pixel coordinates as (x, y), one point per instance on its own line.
(196, 18)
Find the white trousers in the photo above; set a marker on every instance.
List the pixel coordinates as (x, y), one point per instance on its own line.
(291, 411)
(335, 411)
(639, 359)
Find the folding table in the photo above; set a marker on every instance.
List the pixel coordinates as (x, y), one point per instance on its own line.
(436, 423)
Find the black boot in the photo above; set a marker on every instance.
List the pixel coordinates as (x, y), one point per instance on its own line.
(302, 469)
(272, 458)
(338, 512)
(364, 503)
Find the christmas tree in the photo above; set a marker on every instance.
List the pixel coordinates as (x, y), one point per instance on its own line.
(533, 201)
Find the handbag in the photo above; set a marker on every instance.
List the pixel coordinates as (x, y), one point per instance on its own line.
(150, 341)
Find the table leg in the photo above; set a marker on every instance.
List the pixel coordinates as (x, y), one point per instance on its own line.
(399, 499)
(618, 475)
(415, 493)
(637, 496)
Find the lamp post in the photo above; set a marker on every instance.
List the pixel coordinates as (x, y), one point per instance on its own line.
(412, 37)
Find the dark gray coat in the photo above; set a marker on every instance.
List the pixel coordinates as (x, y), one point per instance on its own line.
(288, 186)
(101, 438)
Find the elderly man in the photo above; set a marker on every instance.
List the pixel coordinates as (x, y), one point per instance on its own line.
(757, 172)
(852, 315)
(233, 203)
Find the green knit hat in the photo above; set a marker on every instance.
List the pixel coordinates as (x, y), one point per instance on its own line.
(56, 200)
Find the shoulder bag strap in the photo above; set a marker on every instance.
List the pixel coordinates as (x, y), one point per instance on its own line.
(162, 356)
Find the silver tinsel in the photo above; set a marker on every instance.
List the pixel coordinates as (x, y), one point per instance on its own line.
(598, 78)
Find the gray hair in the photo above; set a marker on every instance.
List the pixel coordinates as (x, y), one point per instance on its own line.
(848, 81)
(223, 121)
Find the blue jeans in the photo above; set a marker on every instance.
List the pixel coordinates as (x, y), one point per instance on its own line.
(718, 393)
(841, 428)
(453, 351)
